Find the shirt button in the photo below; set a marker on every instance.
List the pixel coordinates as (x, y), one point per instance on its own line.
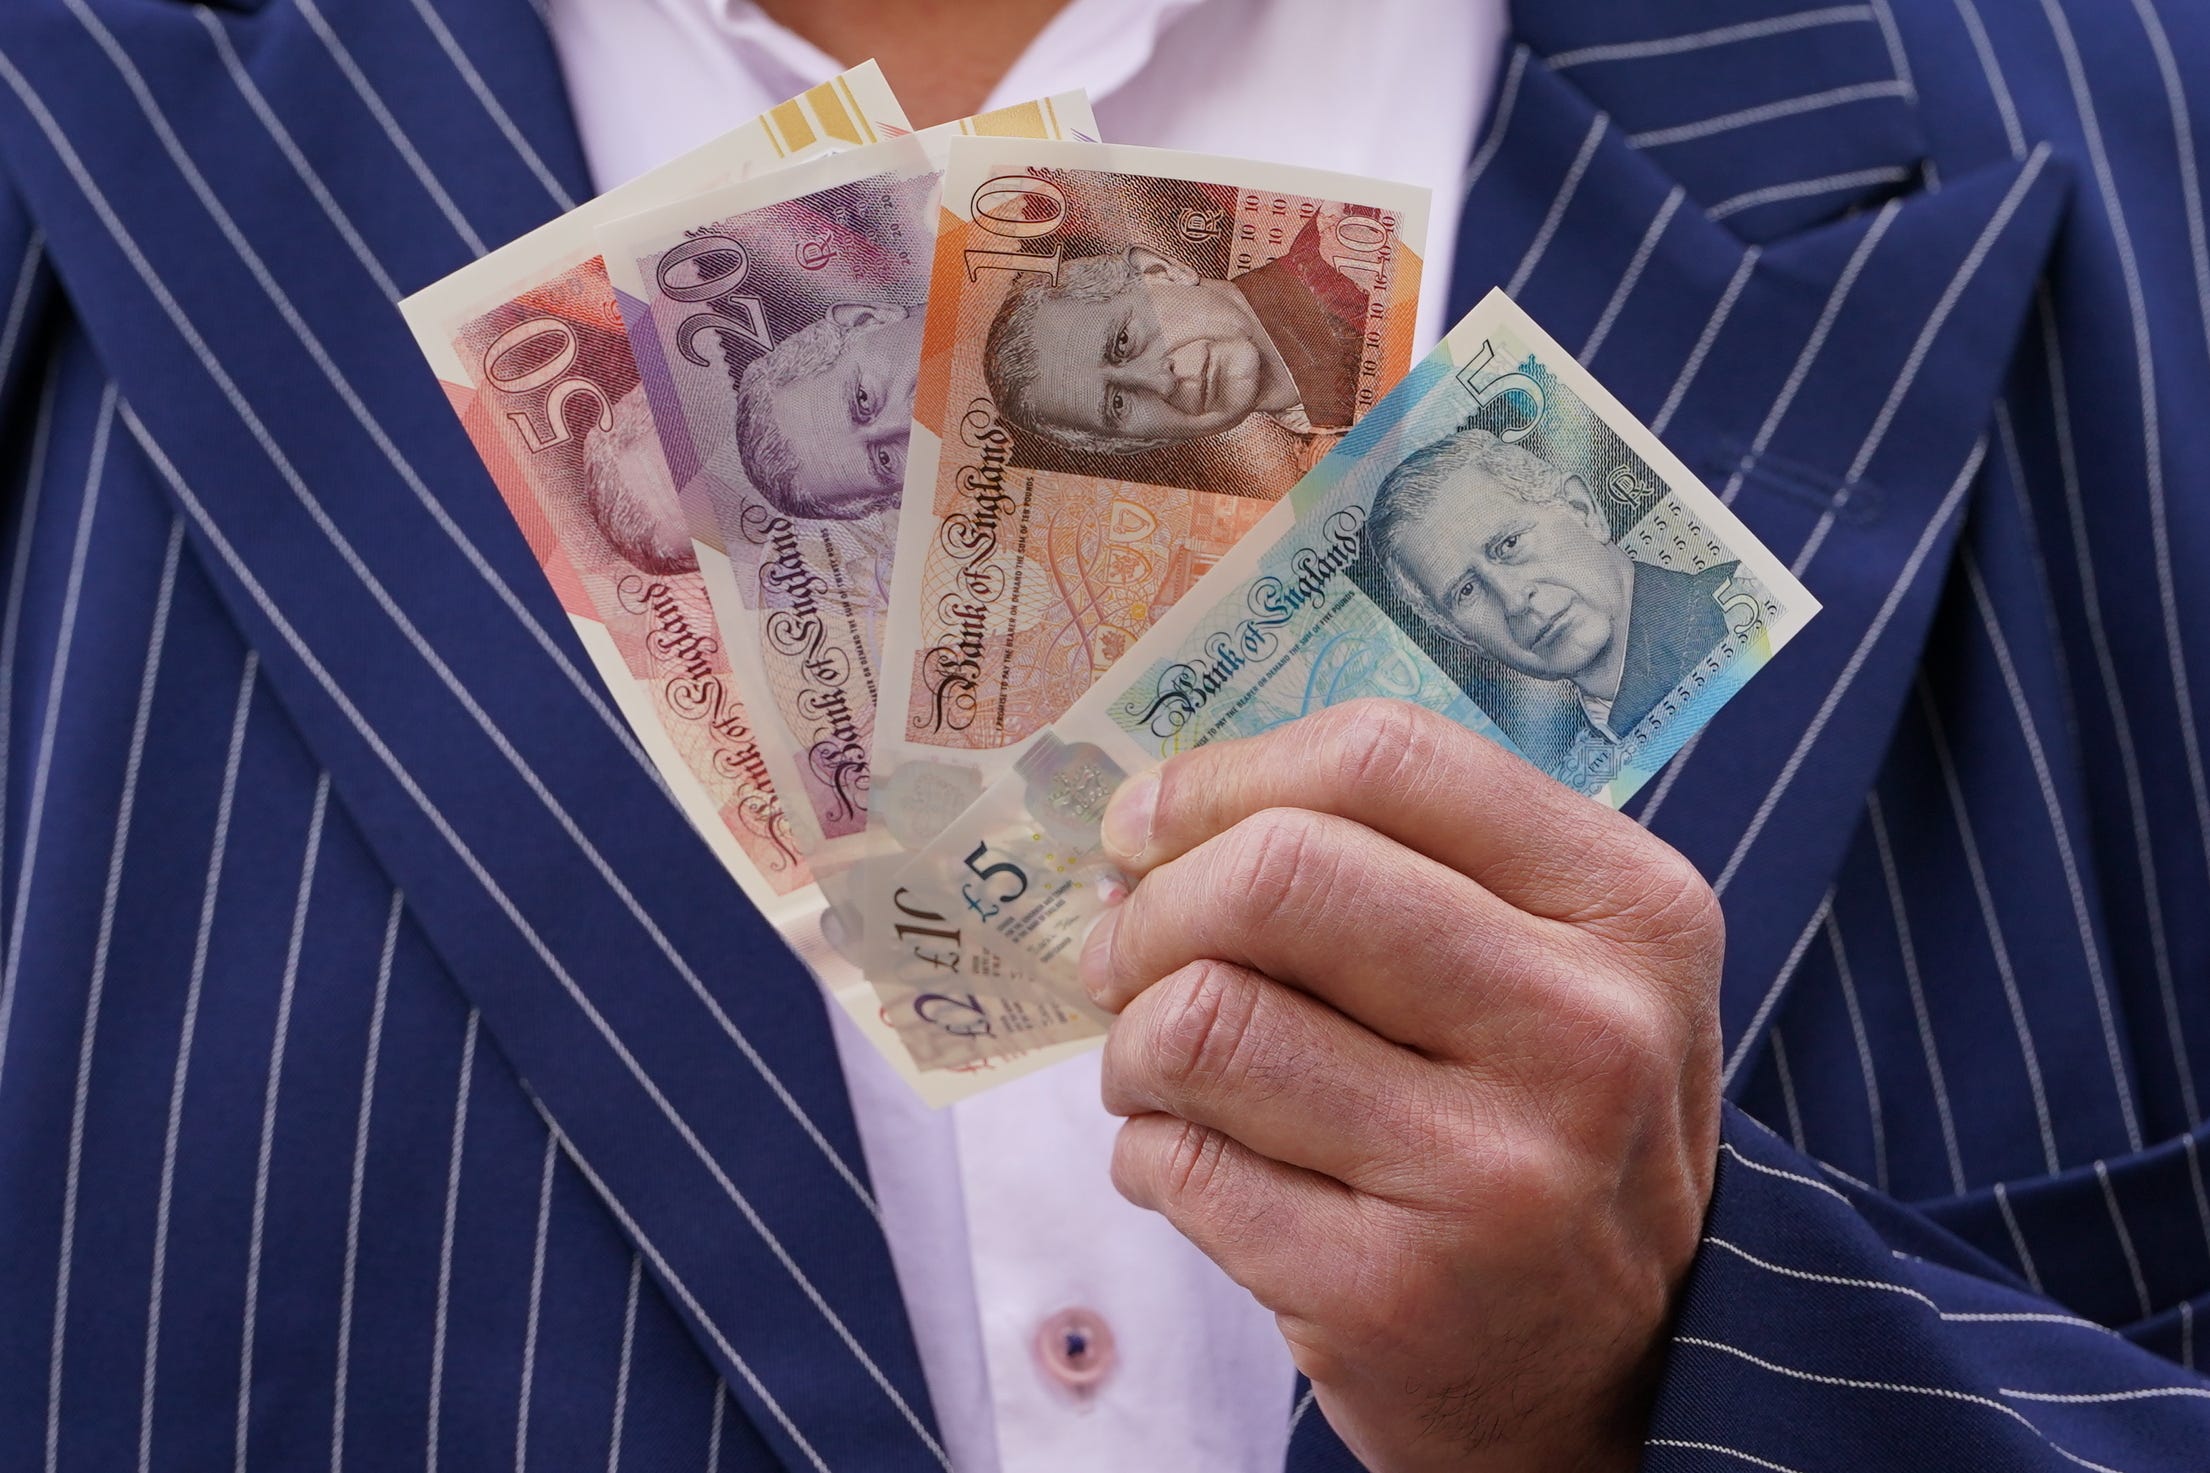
(1076, 1349)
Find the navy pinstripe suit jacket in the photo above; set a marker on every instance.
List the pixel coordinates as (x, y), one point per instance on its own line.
(388, 1078)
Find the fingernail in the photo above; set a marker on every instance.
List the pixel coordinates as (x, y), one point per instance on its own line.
(1126, 828)
(1097, 950)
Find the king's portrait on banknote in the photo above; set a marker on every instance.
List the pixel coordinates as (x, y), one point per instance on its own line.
(1519, 558)
(1136, 349)
(777, 328)
(530, 345)
(1129, 356)
(1191, 334)
(779, 342)
(1511, 566)
(559, 414)
(814, 361)
(821, 418)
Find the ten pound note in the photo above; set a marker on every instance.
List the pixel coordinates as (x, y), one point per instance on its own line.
(1499, 541)
(1130, 356)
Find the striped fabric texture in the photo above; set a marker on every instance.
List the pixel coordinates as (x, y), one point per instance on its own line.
(390, 1079)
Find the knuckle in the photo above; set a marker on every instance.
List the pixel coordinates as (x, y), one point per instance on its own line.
(1438, 1136)
(1615, 1063)
(1629, 1053)
(1269, 862)
(1460, 1124)
(1533, 1185)
(1206, 1027)
(1192, 1164)
(1687, 915)
(1380, 744)
(1662, 905)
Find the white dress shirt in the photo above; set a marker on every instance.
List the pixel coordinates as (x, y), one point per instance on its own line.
(1003, 1224)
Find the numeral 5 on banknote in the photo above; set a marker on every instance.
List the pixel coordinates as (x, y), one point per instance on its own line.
(1498, 540)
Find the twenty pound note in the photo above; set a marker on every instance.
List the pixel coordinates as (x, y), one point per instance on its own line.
(1130, 356)
(776, 324)
(1499, 541)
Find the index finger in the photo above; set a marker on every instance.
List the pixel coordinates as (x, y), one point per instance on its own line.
(1407, 773)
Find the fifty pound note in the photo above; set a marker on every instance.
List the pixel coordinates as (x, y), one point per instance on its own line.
(1499, 541)
(530, 349)
(1130, 355)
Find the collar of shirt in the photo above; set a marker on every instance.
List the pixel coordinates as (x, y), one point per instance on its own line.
(767, 46)
(1106, 41)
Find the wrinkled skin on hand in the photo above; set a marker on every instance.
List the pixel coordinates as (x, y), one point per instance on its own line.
(1422, 1048)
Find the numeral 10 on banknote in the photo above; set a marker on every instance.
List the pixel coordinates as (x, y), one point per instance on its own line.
(1017, 207)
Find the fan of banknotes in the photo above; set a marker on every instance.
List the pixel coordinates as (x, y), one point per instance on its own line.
(911, 489)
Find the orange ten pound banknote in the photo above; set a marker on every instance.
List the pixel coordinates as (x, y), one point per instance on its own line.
(1130, 355)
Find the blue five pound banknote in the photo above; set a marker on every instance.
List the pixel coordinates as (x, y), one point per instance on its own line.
(1498, 540)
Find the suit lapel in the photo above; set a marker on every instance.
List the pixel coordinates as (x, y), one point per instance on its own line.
(1772, 115)
(233, 201)
(1756, 265)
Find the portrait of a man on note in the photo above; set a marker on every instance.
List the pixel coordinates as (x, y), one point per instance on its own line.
(1502, 552)
(629, 495)
(1132, 350)
(822, 417)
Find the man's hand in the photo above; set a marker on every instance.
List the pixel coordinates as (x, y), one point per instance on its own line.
(1422, 1048)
